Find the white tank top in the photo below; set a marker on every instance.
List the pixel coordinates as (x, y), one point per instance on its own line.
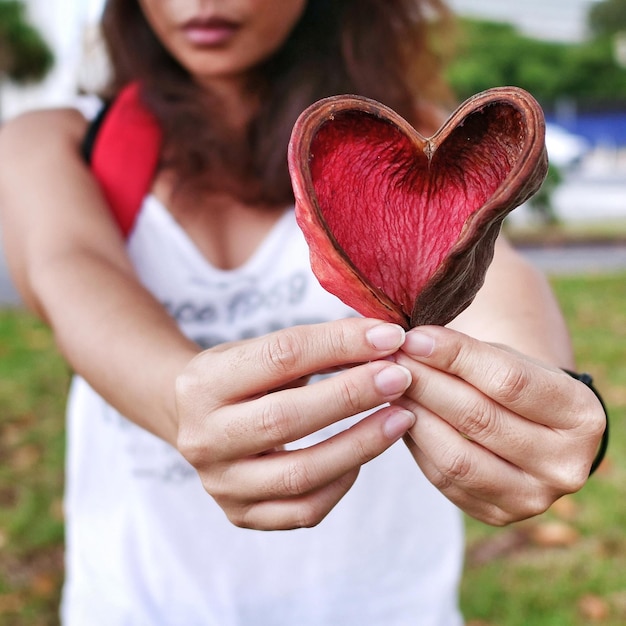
(146, 546)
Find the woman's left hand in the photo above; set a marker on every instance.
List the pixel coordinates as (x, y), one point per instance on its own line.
(501, 435)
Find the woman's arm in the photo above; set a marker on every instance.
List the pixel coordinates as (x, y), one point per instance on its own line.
(229, 410)
(68, 261)
(500, 429)
(516, 307)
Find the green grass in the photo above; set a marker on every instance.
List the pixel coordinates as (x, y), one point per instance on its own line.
(583, 581)
(511, 579)
(33, 385)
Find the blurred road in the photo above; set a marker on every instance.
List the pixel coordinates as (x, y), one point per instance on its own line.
(593, 259)
(8, 294)
(579, 259)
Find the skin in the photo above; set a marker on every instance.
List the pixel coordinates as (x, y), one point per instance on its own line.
(245, 32)
(253, 30)
(481, 405)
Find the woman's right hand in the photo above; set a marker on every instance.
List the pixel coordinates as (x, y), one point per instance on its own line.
(240, 403)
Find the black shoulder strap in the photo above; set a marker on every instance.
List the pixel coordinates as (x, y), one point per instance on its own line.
(86, 148)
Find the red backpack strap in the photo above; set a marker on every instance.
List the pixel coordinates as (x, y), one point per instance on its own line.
(125, 155)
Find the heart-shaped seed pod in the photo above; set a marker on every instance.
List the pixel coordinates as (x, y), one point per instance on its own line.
(402, 227)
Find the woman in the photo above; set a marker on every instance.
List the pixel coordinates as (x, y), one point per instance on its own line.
(214, 259)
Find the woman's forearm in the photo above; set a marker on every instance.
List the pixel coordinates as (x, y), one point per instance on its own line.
(115, 335)
(516, 307)
(69, 262)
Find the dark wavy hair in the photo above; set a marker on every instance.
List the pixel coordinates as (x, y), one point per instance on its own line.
(389, 50)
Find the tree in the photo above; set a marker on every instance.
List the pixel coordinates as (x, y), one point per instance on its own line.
(607, 17)
(492, 54)
(24, 55)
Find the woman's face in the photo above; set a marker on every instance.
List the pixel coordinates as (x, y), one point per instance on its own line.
(221, 39)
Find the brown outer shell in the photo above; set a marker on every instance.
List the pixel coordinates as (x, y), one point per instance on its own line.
(458, 278)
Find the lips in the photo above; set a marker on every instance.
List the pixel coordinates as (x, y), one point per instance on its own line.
(210, 32)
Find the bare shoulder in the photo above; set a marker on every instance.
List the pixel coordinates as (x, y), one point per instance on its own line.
(38, 145)
(45, 131)
(51, 206)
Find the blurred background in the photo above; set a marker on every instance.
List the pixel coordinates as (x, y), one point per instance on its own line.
(570, 54)
(566, 568)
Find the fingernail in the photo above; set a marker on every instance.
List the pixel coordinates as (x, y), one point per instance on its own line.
(418, 343)
(392, 380)
(398, 423)
(386, 336)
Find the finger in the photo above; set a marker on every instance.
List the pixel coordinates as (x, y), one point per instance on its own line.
(288, 415)
(515, 382)
(271, 361)
(303, 512)
(477, 481)
(478, 417)
(293, 474)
